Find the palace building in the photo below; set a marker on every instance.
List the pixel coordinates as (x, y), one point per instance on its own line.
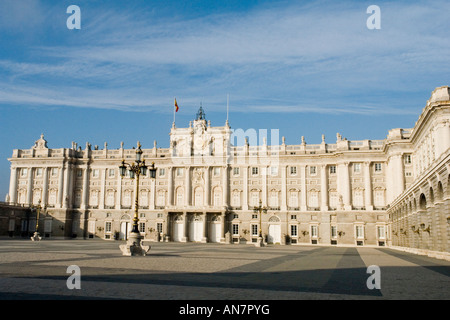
(390, 192)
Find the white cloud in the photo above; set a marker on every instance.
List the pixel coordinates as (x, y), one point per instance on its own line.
(320, 56)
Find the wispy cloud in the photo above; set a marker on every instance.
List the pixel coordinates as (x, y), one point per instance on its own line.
(314, 56)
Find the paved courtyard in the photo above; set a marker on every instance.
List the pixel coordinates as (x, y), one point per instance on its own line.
(191, 271)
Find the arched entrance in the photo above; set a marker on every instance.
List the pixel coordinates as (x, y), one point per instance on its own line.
(215, 228)
(196, 229)
(274, 235)
(178, 228)
(125, 227)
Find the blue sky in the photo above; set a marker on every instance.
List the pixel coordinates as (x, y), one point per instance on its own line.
(306, 68)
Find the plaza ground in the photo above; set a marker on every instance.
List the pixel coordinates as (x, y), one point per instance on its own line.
(192, 271)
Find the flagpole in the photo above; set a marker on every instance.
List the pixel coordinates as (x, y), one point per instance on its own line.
(174, 107)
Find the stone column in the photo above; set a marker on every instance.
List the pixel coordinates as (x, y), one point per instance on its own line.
(367, 187)
(60, 199)
(169, 229)
(283, 188)
(44, 187)
(207, 187)
(30, 186)
(187, 183)
(264, 172)
(344, 185)
(119, 192)
(185, 226)
(324, 188)
(65, 200)
(153, 194)
(13, 186)
(303, 203)
(170, 186)
(102, 189)
(398, 175)
(72, 173)
(85, 194)
(225, 186)
(205, 226)
(245, 189)
(222, 227)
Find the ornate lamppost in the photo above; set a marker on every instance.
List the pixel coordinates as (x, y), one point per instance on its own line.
(260, 209)
(135, 169)
(38, 208)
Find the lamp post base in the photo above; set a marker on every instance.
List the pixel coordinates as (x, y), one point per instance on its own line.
(260, 242)
(36, 237)
(134, 246)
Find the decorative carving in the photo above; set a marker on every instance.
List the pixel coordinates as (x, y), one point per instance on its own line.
(274, 219)
(197, 175)
(41, 143)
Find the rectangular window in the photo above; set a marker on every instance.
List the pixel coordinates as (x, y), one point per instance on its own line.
(159, 227)
(293, 199)
(377, 167)
(111, 173)
(293, 217)
(54, 172)
(95, 173)
(274, 171)
(107, 226)
(293, 171)
(293, 230)
(161, 201)
(179, 172)
(357, 167)
(236, 199)
(79, 172)
(333, 232)
(254, 229)
(24, 172)
(235, 216)
(312, 171)
(332, 169)
(381, 232)
(235, 229)
(162, 172)
(255, 198)
(38, 172)
(314, 231)
(255, 170)
(235, 171)
(359, 232)
(141, 226)
(408, 159)
(254, 216)
(216, 171)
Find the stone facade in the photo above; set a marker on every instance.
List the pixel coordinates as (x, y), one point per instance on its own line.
(420, 216)
(210, 179)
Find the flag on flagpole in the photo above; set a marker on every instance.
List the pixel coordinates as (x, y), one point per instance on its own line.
(176, 105)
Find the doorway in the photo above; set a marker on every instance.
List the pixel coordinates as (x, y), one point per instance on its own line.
(124, 230)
